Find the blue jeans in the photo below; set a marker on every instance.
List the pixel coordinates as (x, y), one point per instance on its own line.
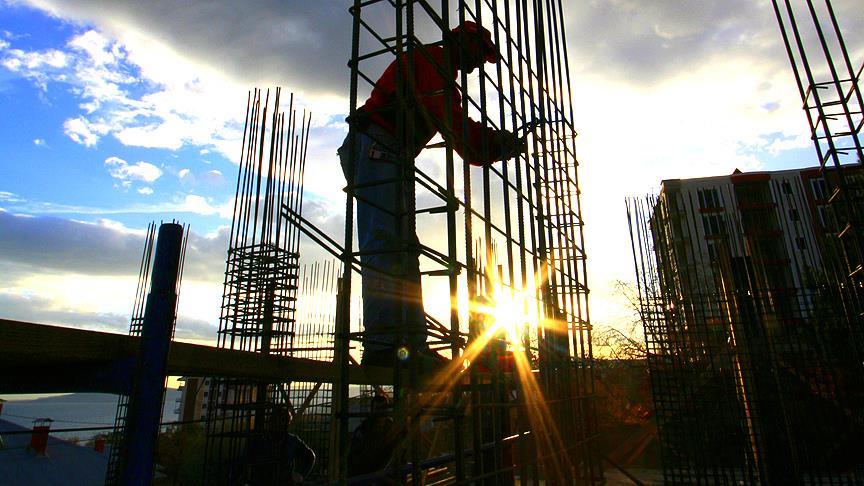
(387, 239)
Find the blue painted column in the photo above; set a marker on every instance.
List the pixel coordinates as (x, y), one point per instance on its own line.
(145, 403)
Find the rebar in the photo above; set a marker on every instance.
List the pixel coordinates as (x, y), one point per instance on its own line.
(830, 90)
(756, 373)
(523, 241)
(261, 282)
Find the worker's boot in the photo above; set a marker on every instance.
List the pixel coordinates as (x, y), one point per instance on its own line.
(381, 357)
(427, 361)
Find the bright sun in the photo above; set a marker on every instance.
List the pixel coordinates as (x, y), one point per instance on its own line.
(508, 316)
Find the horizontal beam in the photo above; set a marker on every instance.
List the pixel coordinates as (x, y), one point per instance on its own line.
(39, 358)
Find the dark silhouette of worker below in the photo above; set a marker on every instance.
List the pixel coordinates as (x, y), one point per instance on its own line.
(373, 443)
(276, 456)
(382, 166)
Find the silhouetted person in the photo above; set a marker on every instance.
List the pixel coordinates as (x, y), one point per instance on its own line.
(386, 234)
(277, 457)
(374, 441)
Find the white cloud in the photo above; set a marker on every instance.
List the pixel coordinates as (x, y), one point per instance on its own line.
(127, 173)
(213, 177)
(180, 204)
(39, 142)
(82, 131)
(97, 47)
(149, 96)
(9, 197)
(194, 203)
(145, 190)
(30, 62)
(187, 178)
(38, 67)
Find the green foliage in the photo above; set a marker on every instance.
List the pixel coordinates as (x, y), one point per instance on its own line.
(180, 455)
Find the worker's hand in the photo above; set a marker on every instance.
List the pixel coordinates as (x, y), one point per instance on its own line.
(520, 145)
(511, 145)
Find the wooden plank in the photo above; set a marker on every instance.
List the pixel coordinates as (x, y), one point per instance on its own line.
(25, 345)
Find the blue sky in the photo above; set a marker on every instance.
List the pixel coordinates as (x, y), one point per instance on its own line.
(121, 112)
(48, 172)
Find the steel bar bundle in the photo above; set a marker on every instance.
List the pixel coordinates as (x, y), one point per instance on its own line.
(755, 369)
(258, 306)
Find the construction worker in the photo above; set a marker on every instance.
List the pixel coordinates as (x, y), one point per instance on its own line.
(276, 456)
(389, 249)
(373, 442)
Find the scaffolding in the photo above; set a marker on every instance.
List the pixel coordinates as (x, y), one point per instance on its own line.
(755, 369)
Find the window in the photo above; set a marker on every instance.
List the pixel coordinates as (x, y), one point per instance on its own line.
(826, 217)
(801, 243)
(793, 215)
(713, 253)
(820, 188)
(787, 188)
(708, 199)
(712, 224)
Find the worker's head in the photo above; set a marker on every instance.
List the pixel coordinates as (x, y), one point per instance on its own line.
(280, 418)
(472, 46)
(379, 403)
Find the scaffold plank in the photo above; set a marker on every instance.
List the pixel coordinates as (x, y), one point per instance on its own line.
(29, 349)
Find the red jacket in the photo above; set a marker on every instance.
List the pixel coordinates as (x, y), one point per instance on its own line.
(431, 109)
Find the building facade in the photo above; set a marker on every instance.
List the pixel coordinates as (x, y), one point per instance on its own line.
(191, 405)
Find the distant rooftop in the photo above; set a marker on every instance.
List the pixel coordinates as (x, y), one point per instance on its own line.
(673, 183)
(64, 463)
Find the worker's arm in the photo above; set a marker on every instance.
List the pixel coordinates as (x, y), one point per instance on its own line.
(303, 458)
(470, 136)
(476, 143)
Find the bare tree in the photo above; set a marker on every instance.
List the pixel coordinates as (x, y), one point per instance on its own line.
(624, 341)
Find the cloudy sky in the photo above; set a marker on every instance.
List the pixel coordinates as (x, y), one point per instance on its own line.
(121, 112)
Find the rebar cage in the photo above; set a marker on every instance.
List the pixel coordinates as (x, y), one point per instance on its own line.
(751, 294)
(523, 410)
(260, 293)
(755, 361)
